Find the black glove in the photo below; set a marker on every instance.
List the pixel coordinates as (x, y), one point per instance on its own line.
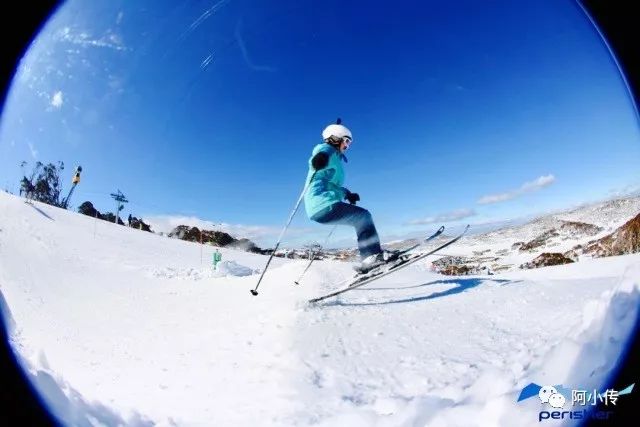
(352, 197)
(320, 161)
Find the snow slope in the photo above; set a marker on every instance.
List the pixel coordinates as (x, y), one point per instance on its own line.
(609, 215)
(119, 326)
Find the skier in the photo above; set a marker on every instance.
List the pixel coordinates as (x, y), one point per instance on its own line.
(325, 194)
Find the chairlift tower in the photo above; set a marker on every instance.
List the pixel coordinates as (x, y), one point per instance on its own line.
(120, 199)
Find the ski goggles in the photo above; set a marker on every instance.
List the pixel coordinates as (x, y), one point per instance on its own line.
(346, 141)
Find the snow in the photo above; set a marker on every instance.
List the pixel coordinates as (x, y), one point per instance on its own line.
(609, 215)
(232, 268)
(119, 326)
(225, 268)
(495, 251)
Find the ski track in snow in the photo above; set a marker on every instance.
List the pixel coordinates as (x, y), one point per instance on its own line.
(130, 327)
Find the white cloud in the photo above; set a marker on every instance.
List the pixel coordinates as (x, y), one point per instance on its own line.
(628, 190)
(495, 198)
(109, 40)
(116, 83)
(527, 187)
(33, 150)
(455, 215)
(539, 183)
(57, 100)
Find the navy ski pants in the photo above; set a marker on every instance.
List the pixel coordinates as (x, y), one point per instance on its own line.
(345, 214)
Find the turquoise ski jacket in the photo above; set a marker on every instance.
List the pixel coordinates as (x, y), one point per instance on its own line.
(326, 187)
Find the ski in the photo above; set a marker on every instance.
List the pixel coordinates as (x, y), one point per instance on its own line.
(402, 252)
(384, 270)
(428, 239)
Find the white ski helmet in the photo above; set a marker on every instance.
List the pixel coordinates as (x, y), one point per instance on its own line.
(337, 131)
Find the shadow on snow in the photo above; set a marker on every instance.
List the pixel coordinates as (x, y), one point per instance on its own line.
(463, 285)
(40, 211)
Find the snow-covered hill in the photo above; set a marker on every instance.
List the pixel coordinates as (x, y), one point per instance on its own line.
(608, 214)
(503, 249)
(118, 326)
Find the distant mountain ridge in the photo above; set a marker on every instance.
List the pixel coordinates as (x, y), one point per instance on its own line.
(607, 215)
(216, 238)
(601, 229)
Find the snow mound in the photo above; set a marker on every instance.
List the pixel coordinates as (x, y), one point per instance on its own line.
(585, 359)
(225, 269)
(594, 348)
(180, 273)
(232, 268)
(64, 402)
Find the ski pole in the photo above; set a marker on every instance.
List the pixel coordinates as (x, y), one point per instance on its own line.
(254, 291)
(313, 256)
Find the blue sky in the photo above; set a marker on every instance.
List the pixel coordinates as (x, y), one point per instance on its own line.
(206, 111)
